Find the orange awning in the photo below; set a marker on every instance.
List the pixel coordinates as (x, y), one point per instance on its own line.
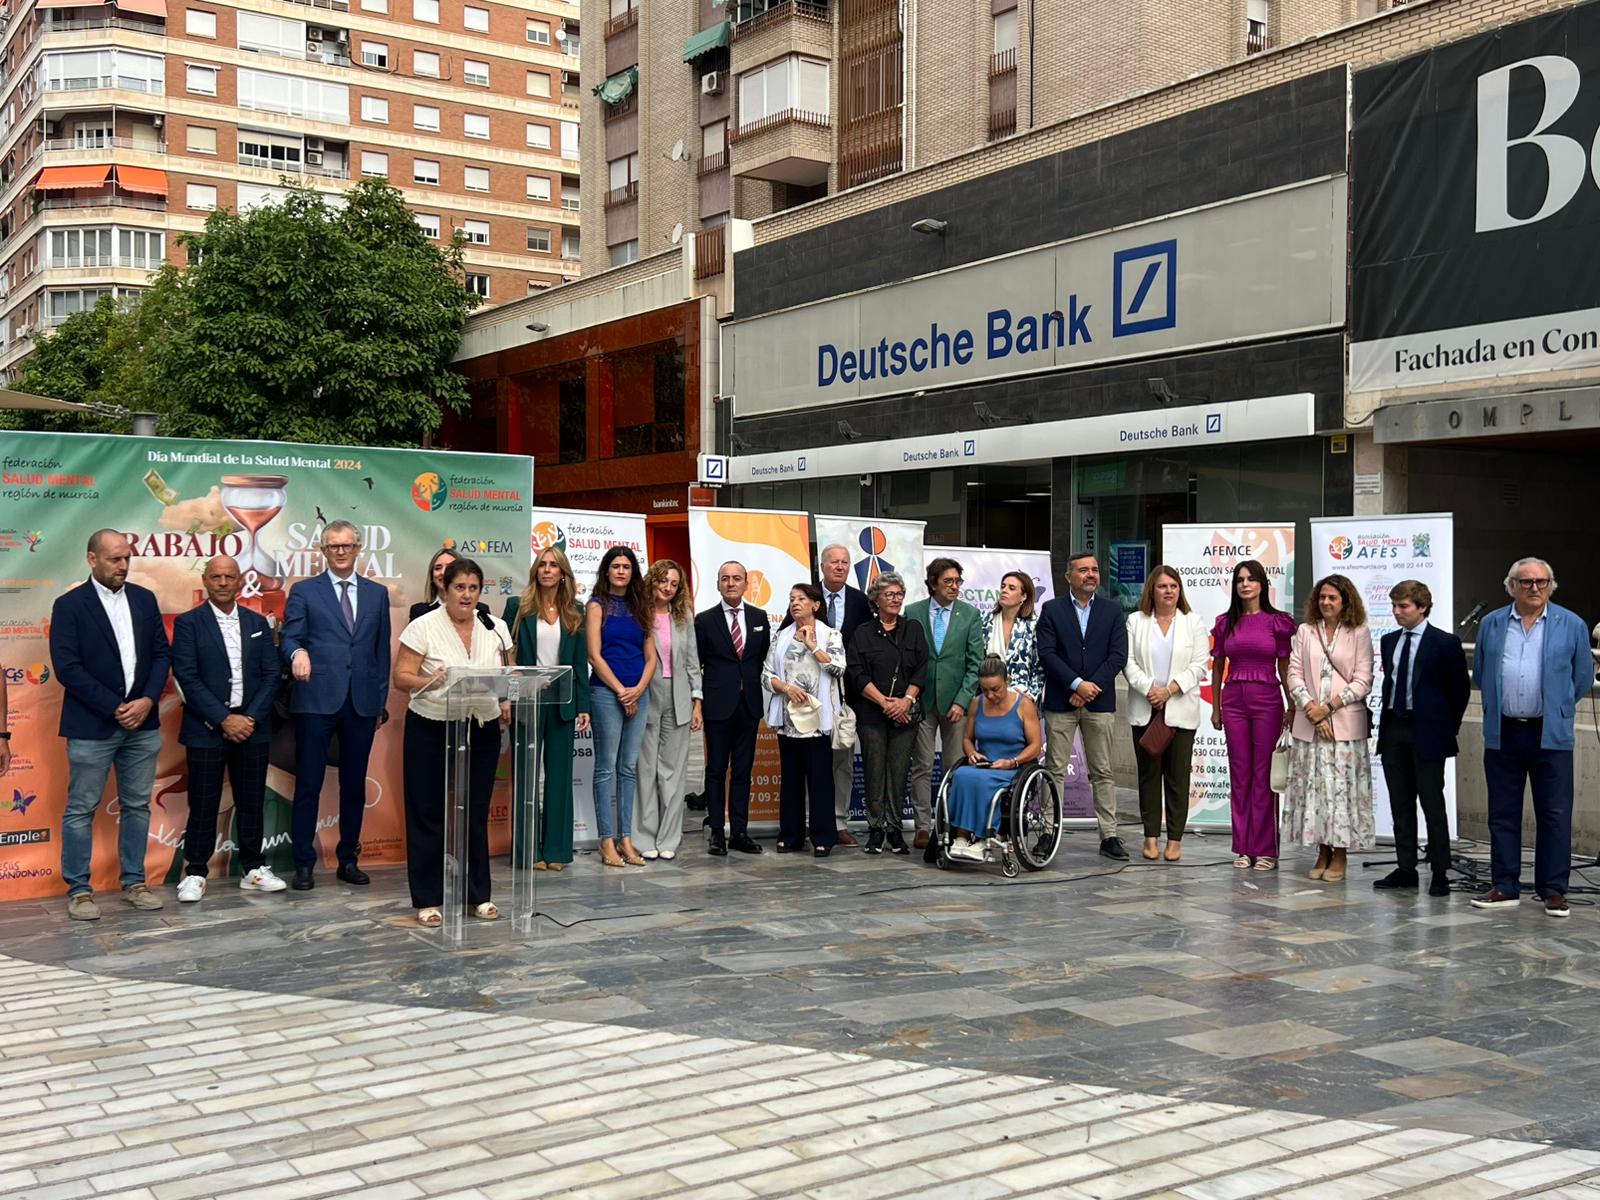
(56, 178)
(148, 180)
(149, 8)
(70, 3)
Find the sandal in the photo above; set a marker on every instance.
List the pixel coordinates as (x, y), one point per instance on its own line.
(555, 866)
(541, 865)
(1243, 863)
(487, 911)
(430, 918)
(629, 855)
(609, 856)
(1266, 863)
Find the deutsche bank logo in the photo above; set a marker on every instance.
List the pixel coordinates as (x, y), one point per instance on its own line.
(1213, 422)
(800, 463)
(1144, 289)
(969, 447)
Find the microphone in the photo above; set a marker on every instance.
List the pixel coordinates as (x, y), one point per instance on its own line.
(1472, 617)
(488, 621)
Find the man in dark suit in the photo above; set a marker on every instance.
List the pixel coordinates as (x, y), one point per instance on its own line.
(846, 609)
(336, 642)
(110, 654)
(732, 639)
(1083, 644)
(1425, 693)
(226, 664)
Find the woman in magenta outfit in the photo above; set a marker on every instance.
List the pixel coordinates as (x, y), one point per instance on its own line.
(1253, 640)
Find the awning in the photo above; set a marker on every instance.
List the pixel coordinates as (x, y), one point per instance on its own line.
(707, 40)
(70, 3)
(148, 8)
(148, 180)
(54, 179)
(619, 87)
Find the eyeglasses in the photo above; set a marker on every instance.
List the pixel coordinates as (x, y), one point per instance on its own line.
(1535, 585)
(891, 595)
(340, 547)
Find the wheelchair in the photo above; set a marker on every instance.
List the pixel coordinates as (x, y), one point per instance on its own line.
(1029, 827)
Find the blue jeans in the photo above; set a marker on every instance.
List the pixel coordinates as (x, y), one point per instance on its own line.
(617, 740)
(91, 762)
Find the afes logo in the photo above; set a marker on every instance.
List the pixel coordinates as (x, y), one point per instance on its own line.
(1341, 548)
(34, 673)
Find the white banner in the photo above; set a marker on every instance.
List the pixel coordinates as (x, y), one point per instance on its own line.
(1499, 350)
(876, 547)
(1205, 557)
(1376, 553)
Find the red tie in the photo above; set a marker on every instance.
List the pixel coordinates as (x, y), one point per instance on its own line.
(733, 628)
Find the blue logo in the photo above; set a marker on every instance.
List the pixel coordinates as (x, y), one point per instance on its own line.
(1144, 284)
(969, 447)
(1213, 422)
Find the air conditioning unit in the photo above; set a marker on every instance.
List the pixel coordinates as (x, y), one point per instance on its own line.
(315, 145)
(313, 34)
(313, 158)
(711, 83)
(313, 47)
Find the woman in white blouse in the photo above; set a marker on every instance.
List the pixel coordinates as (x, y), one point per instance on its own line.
(1167, 652)
(455, 634)
(803, 677)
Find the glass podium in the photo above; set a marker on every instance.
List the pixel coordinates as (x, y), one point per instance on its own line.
(472, 695)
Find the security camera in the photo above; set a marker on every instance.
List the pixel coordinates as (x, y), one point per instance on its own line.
(866, 480)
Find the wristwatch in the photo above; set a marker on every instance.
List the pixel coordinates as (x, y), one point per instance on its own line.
(5, 735)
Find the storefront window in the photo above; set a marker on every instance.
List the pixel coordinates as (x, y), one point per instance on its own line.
(647, 400)
(574, 420)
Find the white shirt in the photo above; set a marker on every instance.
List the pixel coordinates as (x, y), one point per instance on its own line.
(121, 618)
(830, 600)
(355, 601)
(1161, 651)
(233, 639)
(433, 635)
(547, 642)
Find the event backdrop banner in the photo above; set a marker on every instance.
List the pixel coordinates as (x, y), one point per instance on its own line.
(179, 502)
(775, 548)
(1205, 557)
(584, 537)
(1376, 553)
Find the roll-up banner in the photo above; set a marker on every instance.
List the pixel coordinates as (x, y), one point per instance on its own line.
(265, 504)
(1376, 553)
(584, 537)
(1205, 557)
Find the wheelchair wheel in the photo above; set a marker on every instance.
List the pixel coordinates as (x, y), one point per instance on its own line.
(941, 813)
(1036, 821)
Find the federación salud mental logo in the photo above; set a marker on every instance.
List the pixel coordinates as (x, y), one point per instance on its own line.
(428, 492)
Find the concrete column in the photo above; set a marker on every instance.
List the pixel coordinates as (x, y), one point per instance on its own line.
(1380, 477)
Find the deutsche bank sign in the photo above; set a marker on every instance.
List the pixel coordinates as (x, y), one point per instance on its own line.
(1247, 269)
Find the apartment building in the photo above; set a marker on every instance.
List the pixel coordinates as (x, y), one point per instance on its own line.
(123, 125)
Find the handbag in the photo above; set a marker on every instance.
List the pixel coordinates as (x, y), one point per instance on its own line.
(844, 720)
(1157, 736)
(1280, 763)
(915, 713)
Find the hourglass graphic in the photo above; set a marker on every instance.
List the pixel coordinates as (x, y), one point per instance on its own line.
(254, 500)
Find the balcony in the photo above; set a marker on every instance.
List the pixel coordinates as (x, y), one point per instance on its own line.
(622, 21)
(330, 5)
(710, 252)
(281, 167)
(791, 146)
(104, 143)
(90, 83)
(756, 15)
(616, 196)
(710, 164)
(1003, 62)
(101, 201)
(1256, 38)
(78, 24)
(1002, 123)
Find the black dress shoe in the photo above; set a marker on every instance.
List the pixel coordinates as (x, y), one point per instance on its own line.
(785, 848)
(350, 873)
(303, 880)
(719, 846)
(1396, 879)
(1438, 886)
(874, 842)
(1112, 847)
(896, 840)
(742, 843)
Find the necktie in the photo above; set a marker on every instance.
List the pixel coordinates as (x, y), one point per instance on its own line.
(833, 610)
(940, 615)
(1402, 674)
(348, 609)
(738, 636)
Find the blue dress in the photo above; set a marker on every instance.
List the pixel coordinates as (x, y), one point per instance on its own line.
(973, 788)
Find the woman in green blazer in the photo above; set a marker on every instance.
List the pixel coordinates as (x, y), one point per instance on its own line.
(547, 628)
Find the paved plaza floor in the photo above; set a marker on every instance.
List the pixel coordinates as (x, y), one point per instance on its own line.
(851, 1027)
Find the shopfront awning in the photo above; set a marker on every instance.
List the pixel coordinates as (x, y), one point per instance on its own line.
(146, 180)
(707, 40)
(148, 8)
(619, 87)
(55, 179)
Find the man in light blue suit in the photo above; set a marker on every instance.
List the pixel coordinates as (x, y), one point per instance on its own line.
(1533, 666)
(336, 642)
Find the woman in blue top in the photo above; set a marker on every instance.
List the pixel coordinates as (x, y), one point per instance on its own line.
(622, 659)
(1002, 734)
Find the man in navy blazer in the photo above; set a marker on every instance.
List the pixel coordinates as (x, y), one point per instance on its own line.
(1532, 666)
(336, 642)
(1425, 693)
(110, 653)
(1083, 644)
(226, 664)
(732, 704)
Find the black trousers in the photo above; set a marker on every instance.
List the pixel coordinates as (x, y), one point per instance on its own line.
(885, 759)
(425, 750)
(1164, 783)
(730, 743)
(246, 767)
(1409, 780)
(312, 732)
(807, 764)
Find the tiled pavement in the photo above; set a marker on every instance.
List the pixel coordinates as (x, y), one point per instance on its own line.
(854, 1027)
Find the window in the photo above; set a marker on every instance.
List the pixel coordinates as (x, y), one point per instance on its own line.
(713, 140)
(429, 224)
(621, 8)
(424, 170)
(375, 109)
(80, 247)
(374, 163)
(425, 64)
(1005, 32)
(425, 10)
(475, 72)
(425, 117)
(78, 70)
(538, 83)
(539, 33)
(624, 253)
(272, 35)
(296, 96)
(377, 6)
(375, 54)
(272, 151)
(478, 285)
(569, 139)
(539, 187)
(570, 200)
(201, 195)
(65, 304)
(539, 135)
(93, 135)
(791, 84)
(254, 195)
(539, 240)
(202, 81)
(140, 248)
(571, 243)
(200, 24)
(475, 125)
(200, 139)
(624, 176)
(477, 232)
(475, 179)
(475, 19)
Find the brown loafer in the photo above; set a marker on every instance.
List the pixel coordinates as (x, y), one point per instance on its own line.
(920, 842)
(846, 838)
(1555, 905)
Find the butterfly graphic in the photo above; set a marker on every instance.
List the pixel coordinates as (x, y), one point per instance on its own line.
(19, 801)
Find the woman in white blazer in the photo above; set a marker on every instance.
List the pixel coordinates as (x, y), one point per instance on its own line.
(1167, 651)
(673, 714)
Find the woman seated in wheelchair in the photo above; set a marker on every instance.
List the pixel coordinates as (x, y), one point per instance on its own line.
(1002, 735)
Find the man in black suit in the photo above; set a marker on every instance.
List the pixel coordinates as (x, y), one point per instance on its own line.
(1425, 692)
(733, 640)
(226, 663)
(846, 609)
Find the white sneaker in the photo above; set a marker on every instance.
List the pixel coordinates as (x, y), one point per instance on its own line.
(191, 888)
(973, 852)
(669, 855)
(959, 848)
(261, 880)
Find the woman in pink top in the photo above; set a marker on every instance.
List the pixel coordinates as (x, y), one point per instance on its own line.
(674, 714)
(1250, 646)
